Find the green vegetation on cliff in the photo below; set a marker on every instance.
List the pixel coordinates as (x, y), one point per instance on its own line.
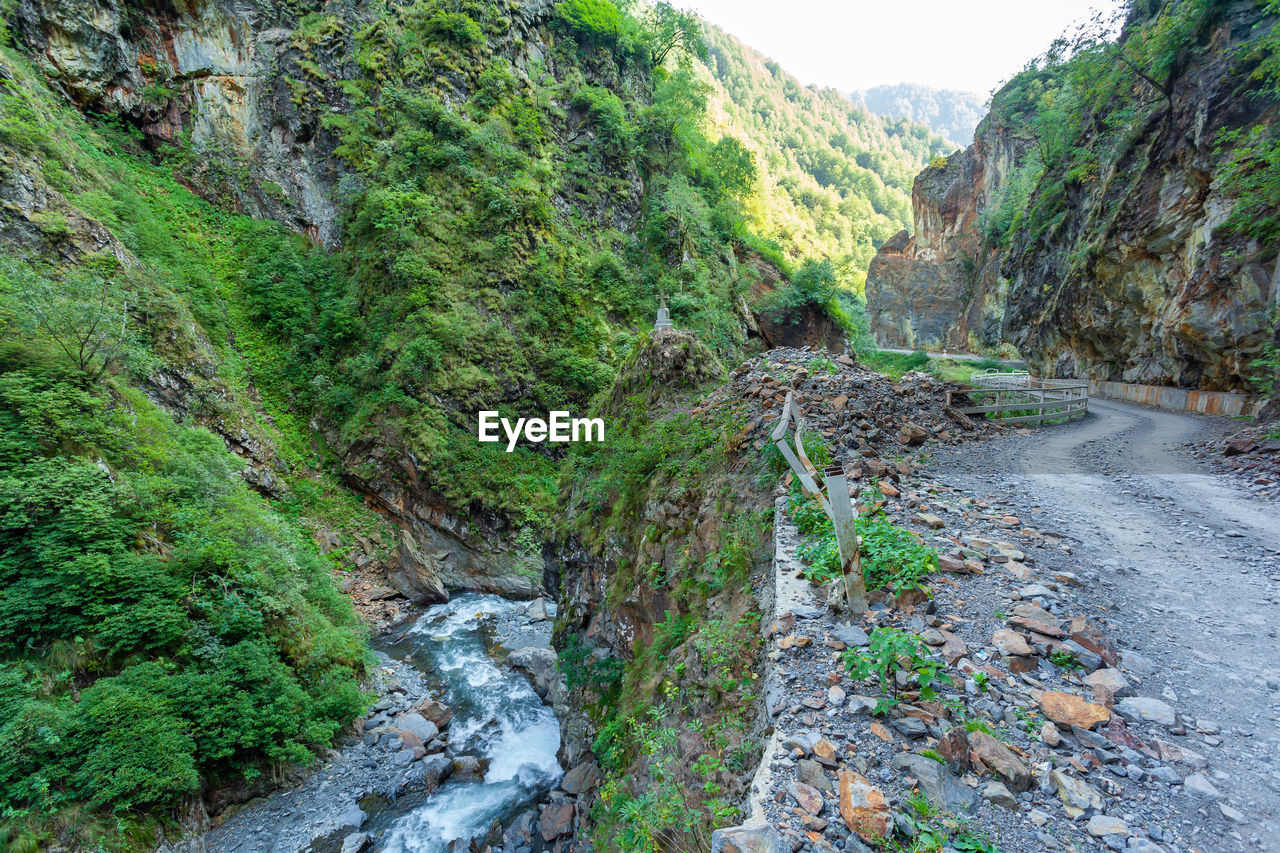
(187, 389)
(1182, 102)
(160, 626)
(1091, 100)
(672, 714)
(163, 628)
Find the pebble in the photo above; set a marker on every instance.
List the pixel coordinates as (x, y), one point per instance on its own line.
(1232, 814)
(1144, 708)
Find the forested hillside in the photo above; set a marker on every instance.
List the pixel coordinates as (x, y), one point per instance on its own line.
(950, 113)
(835, 179)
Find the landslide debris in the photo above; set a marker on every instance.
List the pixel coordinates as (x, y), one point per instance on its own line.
(665, 557)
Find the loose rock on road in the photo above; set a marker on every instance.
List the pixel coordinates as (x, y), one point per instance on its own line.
(1188, 564)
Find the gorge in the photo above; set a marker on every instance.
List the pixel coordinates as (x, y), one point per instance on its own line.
(268, 268)
(1096, 223)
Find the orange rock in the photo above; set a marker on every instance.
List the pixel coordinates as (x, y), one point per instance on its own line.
(987, 752)
(881, 732)
(863, 807)
(953, 648)
(1067, 709)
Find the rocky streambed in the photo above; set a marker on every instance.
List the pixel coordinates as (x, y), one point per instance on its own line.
(457, 752)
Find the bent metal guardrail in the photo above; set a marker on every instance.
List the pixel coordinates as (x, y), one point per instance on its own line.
(832, 495)
(1019, 398)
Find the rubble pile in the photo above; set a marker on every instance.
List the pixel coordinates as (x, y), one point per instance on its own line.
(856, 410)
(1251, 455)
(1043, 740)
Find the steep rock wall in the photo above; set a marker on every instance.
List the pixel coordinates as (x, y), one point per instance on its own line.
(214, 85)
(1139, 284)
(941, 288)
(223, 76)
(661, 556)
(1132, 280)
(215, 72)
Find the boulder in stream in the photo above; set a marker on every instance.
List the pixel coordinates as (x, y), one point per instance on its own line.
(539, 665)
(470, 768)
(437, 712)
(418, 725)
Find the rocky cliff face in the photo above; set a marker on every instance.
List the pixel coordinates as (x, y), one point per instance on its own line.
(659, 624)
(1139, 284)
(941, 288)
(1131, 279)
(237, 94)
(213, 73)
(226, 78)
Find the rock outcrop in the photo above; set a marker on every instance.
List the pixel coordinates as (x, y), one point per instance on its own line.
(223, 76)
(216, 72)
(1139, 284)
(656, 576)
(1129, 276)
(438, 550)
(941, 288)
(809, 326)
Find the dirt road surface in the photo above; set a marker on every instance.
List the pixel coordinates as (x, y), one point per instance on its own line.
(1186, 566)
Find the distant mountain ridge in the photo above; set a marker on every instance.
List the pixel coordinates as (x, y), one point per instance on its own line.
(948, 112)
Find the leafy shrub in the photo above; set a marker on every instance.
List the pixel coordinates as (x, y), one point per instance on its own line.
(889, 652)
(811, 288)
(607, 115)
(583, 671)
(595, 23)
(892, 556)
(136, 748)
(84, 314)
(455, 27)
(123, 537)
(1065, 659)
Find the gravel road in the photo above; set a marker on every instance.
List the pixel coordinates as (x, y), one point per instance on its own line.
(1190, 578)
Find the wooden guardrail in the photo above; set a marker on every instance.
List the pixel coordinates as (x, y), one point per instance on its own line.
(1019, 398)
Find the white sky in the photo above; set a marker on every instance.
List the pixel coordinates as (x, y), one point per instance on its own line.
(972, 45)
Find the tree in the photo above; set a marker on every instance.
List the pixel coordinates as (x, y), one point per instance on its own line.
(676, 115)
(84, 314)
(670, 31)
(811, 289)
(595, 23)
(735, 167)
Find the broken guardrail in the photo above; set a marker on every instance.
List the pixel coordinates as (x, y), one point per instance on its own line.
(833, 496)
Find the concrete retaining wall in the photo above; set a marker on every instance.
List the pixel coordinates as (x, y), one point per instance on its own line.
(1177, 399)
